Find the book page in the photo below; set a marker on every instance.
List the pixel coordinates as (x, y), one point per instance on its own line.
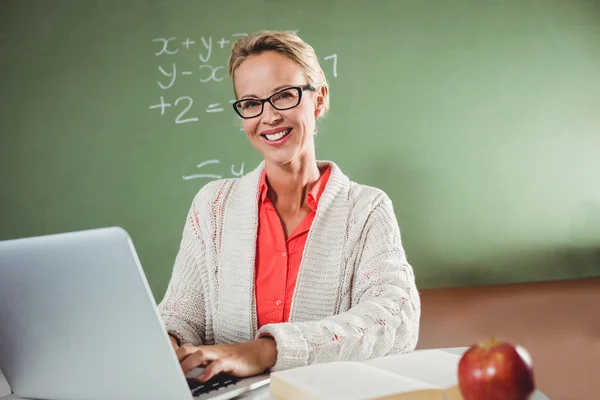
(344, 381)
(436, 367)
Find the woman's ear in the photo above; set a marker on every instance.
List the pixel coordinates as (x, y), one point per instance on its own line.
(320, 97)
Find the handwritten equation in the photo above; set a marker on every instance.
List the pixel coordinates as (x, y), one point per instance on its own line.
(209, 171)
(210, 50)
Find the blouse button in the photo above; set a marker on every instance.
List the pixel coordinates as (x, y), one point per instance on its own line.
(283, 254)
(278, 302)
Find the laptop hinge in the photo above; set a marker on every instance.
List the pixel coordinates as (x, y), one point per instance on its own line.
(5, 389)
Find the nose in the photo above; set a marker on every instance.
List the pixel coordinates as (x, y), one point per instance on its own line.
(270, 114)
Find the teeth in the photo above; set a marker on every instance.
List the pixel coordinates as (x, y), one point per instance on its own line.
(279, 135)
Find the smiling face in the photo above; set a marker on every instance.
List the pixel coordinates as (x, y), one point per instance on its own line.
(281, 136)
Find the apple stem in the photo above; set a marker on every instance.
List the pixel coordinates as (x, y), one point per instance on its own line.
(487, 344)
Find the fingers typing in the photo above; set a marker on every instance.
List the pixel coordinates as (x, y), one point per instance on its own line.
(212, 369)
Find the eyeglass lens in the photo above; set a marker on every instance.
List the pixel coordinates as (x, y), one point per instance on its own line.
(283, 100)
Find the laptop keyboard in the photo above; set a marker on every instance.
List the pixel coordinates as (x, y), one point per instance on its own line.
(215, 383)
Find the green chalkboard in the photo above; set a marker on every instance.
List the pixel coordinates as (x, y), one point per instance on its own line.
(480, 119)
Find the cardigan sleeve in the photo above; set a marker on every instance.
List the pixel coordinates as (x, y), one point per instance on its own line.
(182, 309)
(385, 305)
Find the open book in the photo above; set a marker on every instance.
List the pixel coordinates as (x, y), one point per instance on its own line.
(419, 375)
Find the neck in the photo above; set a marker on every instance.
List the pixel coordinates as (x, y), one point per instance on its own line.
(289, 184)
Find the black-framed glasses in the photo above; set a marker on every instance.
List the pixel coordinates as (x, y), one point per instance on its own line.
(282, 100)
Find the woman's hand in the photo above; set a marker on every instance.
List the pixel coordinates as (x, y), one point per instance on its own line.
(244, 359)
(174, 342)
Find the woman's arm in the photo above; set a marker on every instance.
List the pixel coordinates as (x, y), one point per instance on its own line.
(385, 312)
(182, 308)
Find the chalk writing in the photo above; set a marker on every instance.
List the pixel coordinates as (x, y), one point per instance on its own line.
(208, 46)
(186, 102)
(165, 46)
(213, 73)
(334, 57)
(162, 106)
(210, 171)
(188, 42)
(215, 107)
(237, 174)
(223, 42)
(179, 119)
(171, 75)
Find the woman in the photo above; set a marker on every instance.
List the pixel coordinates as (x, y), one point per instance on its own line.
(293, 263)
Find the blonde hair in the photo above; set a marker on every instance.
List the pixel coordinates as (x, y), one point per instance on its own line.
(288, 45)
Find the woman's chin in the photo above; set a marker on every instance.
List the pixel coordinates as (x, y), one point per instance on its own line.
(281, 159)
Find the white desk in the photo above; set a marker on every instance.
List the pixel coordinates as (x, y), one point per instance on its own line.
(263, 392)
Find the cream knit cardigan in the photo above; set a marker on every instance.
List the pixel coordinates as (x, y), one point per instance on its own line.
(355, 297)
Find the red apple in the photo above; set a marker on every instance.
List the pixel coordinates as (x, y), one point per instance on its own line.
(496, 370)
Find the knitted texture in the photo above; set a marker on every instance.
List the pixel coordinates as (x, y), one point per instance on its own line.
(355, 297)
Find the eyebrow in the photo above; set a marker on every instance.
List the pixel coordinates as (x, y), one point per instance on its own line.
(278, 88)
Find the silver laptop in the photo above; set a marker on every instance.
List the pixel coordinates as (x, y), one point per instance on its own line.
(78, 321)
